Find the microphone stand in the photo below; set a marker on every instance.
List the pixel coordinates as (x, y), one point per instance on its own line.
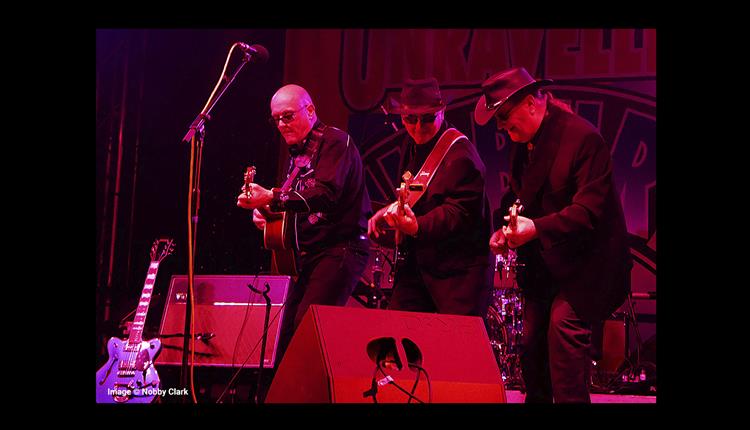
(376, 295)
(258, 400)
(195, 136)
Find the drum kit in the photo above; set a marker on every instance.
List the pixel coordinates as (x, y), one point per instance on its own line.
(505, 320)
(505, 315)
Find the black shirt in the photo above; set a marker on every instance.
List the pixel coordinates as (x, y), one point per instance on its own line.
(417, 154)
(454, 213)
(328, 202)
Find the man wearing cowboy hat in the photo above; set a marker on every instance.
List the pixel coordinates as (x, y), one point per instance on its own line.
(571, 235)
(447, 263)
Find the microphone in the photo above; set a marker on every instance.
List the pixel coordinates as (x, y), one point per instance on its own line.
(256, 53)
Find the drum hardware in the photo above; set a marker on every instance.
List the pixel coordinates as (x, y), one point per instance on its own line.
(505, 314)
(505, 320)
(505, 327)
(375, 298)
(373, 289)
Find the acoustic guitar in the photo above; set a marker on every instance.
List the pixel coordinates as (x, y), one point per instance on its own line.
(276, 235)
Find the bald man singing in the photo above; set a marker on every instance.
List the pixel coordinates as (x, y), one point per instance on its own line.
(328, 204)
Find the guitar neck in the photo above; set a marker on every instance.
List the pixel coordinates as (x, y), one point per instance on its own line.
(136, 331)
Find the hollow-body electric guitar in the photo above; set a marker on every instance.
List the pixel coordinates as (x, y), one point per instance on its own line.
(129, 375)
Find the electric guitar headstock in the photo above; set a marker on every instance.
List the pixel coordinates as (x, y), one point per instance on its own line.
(513, 212)
(507, 261)
(249, 179)
(402, 192)
(161, 249)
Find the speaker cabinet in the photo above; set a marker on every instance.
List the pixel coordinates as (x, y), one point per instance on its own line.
(333, 358)
(228, 319)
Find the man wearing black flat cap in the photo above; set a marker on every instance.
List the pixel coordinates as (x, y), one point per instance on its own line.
(571, 235)
(444, 224)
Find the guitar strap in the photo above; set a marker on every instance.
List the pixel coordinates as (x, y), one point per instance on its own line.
(303, 160)
(433, 163)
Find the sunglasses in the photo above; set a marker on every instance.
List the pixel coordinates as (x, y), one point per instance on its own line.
(286, 118)
(507, 110)
(412, 119)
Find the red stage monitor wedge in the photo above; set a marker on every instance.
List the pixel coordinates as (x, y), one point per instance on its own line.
(334, 353)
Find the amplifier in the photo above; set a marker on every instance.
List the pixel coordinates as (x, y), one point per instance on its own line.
(228, 319)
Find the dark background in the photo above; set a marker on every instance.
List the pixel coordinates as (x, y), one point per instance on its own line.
(170, 75)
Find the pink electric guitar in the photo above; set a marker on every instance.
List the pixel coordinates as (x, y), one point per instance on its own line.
(129, 375)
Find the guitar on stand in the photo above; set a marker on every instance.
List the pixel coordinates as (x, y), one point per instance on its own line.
(276, 236)
(505, 315)
(129, 375)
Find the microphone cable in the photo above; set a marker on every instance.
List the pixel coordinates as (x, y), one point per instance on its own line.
(390, 380)
(416, 382)
(427, 376)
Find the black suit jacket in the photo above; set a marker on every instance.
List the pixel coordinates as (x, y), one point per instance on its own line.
(567, 189)
(452, 244)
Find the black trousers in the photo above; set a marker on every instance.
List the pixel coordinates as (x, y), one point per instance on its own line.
(467, 292)
(327, 277)
(555, 351)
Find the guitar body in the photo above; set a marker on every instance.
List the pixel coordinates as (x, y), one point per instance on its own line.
(276, 237)
(128, 376)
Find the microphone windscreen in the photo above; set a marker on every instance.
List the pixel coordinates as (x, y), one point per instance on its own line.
(261, 55)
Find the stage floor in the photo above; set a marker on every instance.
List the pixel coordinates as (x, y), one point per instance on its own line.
(513, 396)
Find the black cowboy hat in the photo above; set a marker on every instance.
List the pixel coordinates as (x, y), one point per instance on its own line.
(500, 87)
(417, 97)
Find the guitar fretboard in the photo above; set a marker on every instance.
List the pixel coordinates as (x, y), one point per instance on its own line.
(136, 331)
